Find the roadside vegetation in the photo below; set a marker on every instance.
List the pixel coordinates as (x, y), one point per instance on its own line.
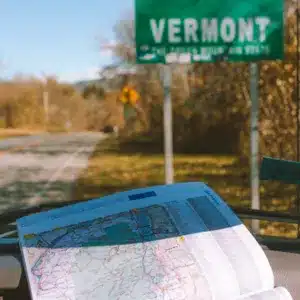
(34, 105)
(8, 133)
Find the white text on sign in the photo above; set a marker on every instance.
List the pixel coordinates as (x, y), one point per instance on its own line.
(192, 31)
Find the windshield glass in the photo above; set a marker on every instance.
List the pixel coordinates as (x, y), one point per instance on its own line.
(101, 97)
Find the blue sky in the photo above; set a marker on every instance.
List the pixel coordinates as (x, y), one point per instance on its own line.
(57, 37)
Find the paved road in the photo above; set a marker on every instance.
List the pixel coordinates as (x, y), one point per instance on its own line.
(9, 143)
(42, 168)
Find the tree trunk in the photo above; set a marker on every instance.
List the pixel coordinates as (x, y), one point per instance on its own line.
(8, 116)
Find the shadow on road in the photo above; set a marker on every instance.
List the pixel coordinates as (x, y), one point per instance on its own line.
(22, 194)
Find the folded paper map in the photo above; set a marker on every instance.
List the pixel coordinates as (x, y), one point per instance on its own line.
(170, 242)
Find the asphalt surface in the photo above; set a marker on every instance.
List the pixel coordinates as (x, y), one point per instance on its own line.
(43, 168)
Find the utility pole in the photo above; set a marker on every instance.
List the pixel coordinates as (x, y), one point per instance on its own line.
(298, 105)
(46, 107)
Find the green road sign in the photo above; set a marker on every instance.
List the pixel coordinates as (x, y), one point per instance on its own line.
(185, 31)
(281, 170)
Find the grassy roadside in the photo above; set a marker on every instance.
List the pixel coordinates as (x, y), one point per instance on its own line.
(8, 133)
(109, 170)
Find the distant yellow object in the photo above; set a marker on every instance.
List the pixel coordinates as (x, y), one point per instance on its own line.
(129, 96)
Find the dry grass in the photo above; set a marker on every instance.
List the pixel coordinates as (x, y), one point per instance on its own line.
(7, 133)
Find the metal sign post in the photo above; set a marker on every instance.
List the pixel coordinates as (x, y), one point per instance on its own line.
(186, 32)
(254, 142)
(168, 124)
(46, 106)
